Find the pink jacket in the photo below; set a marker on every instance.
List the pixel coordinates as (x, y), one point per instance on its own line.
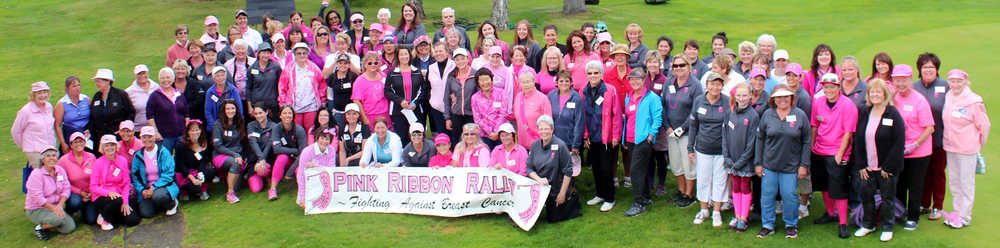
(504, 83)
(110, 176)
(489, 112)
(128, 150)
(34, 128)
(286, 84)
(578, 68)
(809, 81)
(78, 171)
(312, 154)
(479, 157)
(438, 81)
(515, 161)
(515, 75)
(45, 188)
(527, 109)
(611, 115)
(220, 43)
(966, 124)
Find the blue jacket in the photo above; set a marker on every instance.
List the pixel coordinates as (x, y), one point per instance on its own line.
(648, 118)
(165, 162)
(213, 101)
(569, 120)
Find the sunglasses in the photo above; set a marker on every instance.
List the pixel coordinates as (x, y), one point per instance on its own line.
(182, 32)
(469, 134)
(679, 65)
(593, 73)
(358, 21)
(323, 34)
(372, 63)
(416, 134)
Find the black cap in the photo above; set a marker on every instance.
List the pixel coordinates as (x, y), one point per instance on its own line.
(265, 47)
(240, 12)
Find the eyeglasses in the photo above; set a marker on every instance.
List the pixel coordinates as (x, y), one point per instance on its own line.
(469, 134)
(593, 73)
(358, 21)
(679, 65)
(322, 34)
(372, 63)
(564, 81)
(301, 53)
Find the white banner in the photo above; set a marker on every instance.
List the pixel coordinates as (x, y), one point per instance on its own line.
(447, 192)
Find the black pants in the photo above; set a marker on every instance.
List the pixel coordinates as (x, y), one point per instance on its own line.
(401, 126)
(457, 121)
(210, 173)
(641, 153)
(818, 173)
(160, 202)
(911, 183)
(887, 190)
(111, 210)
(659, 169)
(568, 210)
(604, 160)
(837, 183)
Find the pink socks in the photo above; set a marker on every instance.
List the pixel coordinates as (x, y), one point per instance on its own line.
(828, 203)
(842, 209)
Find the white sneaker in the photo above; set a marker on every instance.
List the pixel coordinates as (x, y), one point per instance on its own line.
(104, 224)
(863, 232)
(607, 206)
(803, 211)
(204, 196)
(885, 237)
(595, 201)
(173, 210)
(616, 182)
(727, 206)
(700, 217)
(777, 207)
(628, 182)
(216, 180)
(716, 219)
(733, 221)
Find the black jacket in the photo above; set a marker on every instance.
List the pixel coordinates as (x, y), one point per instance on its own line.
(262, 83)
(106, 114)
(420, 90)
(890, 138)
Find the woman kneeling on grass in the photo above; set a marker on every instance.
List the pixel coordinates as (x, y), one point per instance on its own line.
(48, 191)
(549, 164)
(153, 176)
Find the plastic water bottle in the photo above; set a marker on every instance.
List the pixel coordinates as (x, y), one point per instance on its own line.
(981, 164)
(201, 176)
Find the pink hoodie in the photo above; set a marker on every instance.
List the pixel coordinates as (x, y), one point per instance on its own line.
(108, 176)
(489, 112)
(286, 84)
(966, 124)
(514, 161)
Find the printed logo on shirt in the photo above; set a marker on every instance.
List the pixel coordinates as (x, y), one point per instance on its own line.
(938, 89)
(412, 154)
(819, 118)
(746, 122)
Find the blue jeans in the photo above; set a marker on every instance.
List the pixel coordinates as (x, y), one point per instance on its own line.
(88, 212)
(437, 121)
(169, 143)
(771, 184)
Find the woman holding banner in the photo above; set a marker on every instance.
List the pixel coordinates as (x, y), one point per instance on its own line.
(471, 152)
(549, 163)
(323, 153)
(384, 149)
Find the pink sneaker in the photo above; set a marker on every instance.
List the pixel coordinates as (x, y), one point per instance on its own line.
(231, 197)
(272, 194)
(952, 220)
(104, 224)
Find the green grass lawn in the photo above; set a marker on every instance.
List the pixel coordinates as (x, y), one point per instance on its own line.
(49, 40)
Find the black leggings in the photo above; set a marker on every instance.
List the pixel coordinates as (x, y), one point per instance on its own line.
(111, 210)
(911, 183)
(658, 168)
(604, 160)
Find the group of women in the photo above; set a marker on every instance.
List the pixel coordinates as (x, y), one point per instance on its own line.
(739, 130)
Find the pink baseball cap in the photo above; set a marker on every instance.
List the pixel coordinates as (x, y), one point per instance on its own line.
(902, 70)
(108, 138)
(76, 135)
(331, 131)
(39, 86)
(375, 26)
(422, 38)
(757, 72)
(276, 37)
(494, 50)
(506, 127)
(604, 37)
(958, 74)
(126, 124)
(441, 138)
(794, 68)
(147, 130)
(209, 20)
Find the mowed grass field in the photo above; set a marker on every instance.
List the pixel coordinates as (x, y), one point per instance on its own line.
(49, 40)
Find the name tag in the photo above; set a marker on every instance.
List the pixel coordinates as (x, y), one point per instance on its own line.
(59, 178)
(672, 89)
(197, 155)
(115, 173)
(254, 71)
(790, 118)
(956, 114)
(357, 139)
(511, 162)
(97, 102)
(631, 108)
(283, 141)
(228, 133)
(496, 104)
(346, 86)
(819, 118)
(658, 86)
(412, 154)
(571, 105)
(599, 100)
(86, 170)
(939, 89)
(554, 147)
(731, 125)
(702, 111)
(908, 108)
(215, 98)
(255, 135)
(746, 122)
(887, 122)
(570, 65)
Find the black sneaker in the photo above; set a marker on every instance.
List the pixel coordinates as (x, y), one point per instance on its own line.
(827, 218)
(41, 234)
(646, 202)
(843, 232)
(791, 232)
(754, 216)
(676, 197)
(635, 210)
(764, 232)
(685, 202)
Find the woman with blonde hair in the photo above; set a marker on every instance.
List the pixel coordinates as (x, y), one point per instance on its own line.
(552, 63)
(633, 34)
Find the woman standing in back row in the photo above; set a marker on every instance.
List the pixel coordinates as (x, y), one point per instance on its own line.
(966, 127)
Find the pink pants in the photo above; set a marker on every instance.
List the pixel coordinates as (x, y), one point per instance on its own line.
(306, 119)
(742, 195)
(277, 171)
(962, 181)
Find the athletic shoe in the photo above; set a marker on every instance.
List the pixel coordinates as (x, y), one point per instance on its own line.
(204, 196)
(843, 232)
(727, 206)
(635, 210)
(935, 214)
(732, 222)
(646, 202)
(616, 182)
(740, 227)
(231, 197)
(826, 218)
(676, 197)
(861, 232)
(700, 217)
(607, 206)
(184, 197)
(716, 219)
(104, 224)
(924, 210)
(764, 232)
(910, 225)
(660, 191)
(216, 180)
(272, 194)
(885, 237)
(41, 234)
(952, 220)
(685, 202)
(777, 208)
(628, 182)
(173, 210)
(803, 211)
(595, 201)
(791, 232)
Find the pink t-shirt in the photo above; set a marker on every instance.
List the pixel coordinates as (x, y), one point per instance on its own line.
(439, 161)
(407, 83)
(562, 101)
(545, 81)
(578, 68)
(630, 110)
(870, 130)
(831, 124)
(917, 116)
(478, 157)
(513, 160)
(152, 170)
(130, 149)
(372, 97)
(78, 171)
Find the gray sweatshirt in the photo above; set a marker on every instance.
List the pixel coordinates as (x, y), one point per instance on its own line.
(783, 145)
(738, 138)
(707, 121)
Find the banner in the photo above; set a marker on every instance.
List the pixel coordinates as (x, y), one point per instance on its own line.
(446, 192)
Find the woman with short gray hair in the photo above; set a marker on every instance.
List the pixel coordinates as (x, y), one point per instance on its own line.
(549, 163)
